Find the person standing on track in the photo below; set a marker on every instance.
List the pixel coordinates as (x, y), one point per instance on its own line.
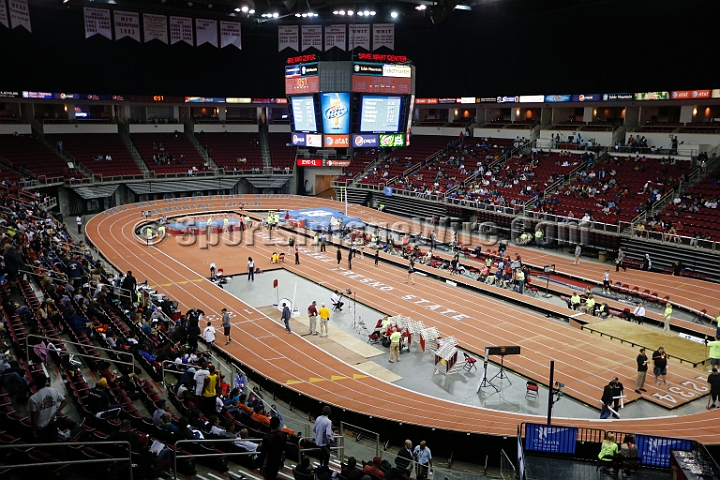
(642, 362)
(578, 252)
(316, 241)
(226, 325)
(619, 261)
(350, 255)
(312, 316)
(324, 319)
(297, 255)
(411, 272)
(226, 224)
(209, 225)
(323, 242)
(339, 258)
(714, 381)
(209, 336)
(213, 270)
(251, 270)
(377, 256)
(660, 365)
(714, 354)
(606, 282)
(286, 317)
(148, 235)
(666, 316)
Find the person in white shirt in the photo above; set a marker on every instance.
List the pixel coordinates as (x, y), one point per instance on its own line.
(209, 336)
(79, 222)
(639, 314)
(199, 379)
(242, 442)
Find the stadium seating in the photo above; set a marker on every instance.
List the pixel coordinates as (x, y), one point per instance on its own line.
(177, 145)
(28, 154)
(362, 159)
(85, 147)
(233, 151)
(282, 153)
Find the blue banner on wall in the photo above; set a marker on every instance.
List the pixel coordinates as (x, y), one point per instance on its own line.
(656, 451)
(544, 438)
(557, 98)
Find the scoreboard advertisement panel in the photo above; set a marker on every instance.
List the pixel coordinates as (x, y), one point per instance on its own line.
(381, 78)
(301, 78)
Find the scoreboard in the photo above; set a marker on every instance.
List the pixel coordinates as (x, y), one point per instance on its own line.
(383, 78)
(301, 79)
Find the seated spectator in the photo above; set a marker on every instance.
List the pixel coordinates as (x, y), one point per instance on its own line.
(608, 451)
(304, 468)
(374, 468)
(350, 471)
(244, 443)
(100, 403)
(166, 423)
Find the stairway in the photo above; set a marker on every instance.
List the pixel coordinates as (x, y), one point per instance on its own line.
(135, 154)
(201, 150)
(265, 148)
(67, 158)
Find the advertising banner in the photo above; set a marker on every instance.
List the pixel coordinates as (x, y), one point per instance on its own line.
(689, 94)
(335, 37)
(652, 96)
(155, 27)
(558, 98)
(288, 37)
(298, 139)
(181, 30)
(544, 438)
(656, 451)
(531, 98)
(365, 141)
(97, 21)
(336, 141)
(337, 163)
(384, 35)
(313, 140)
(309, 162)
(230, 34)
(335, 109)
(206, 32)
(359, 36)
(312, 37)
(127, 24)
(507, 99)
(392, 140)
(617, 97)
(587, 97)
(19, 14)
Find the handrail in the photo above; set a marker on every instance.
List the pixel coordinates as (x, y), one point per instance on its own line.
(377, 435)
(54, 273)
(64, 462)
(84, 355)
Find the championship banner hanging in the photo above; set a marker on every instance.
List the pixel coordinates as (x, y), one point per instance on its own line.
(19, 14)
(288, 37)
(155, 27)
(97, 21)
(383, 35)
(312, 37)
(335, 37)
(181, 30)
(360, 36)
(206, 32)
(3, 14)
(230, 34)
(127, 24)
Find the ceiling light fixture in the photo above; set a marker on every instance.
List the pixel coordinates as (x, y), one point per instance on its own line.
(360, 14)
(350, 12)
(420, 7)
(275, 15)
(245, 9)
(394, 14)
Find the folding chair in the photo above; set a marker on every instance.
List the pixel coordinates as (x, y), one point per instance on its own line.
(469, 362)
(532, 390)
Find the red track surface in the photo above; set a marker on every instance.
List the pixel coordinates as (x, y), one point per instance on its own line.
(584, 362)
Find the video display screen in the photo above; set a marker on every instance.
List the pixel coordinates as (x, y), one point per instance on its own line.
(303, 110)
(380, 114)
(335, 113)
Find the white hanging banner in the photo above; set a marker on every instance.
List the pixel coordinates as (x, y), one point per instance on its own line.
(181, 30)
(19, 14)
(127, 24)
(206, 32)
(312, 37)
(3, 14)
(335, 37)
(360, 36)
(230, 34)
(155, 27)
(384, 35)
(288, 37)
(97, 21)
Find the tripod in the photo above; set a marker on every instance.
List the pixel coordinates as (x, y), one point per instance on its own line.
(501, 375)
(485, 383)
